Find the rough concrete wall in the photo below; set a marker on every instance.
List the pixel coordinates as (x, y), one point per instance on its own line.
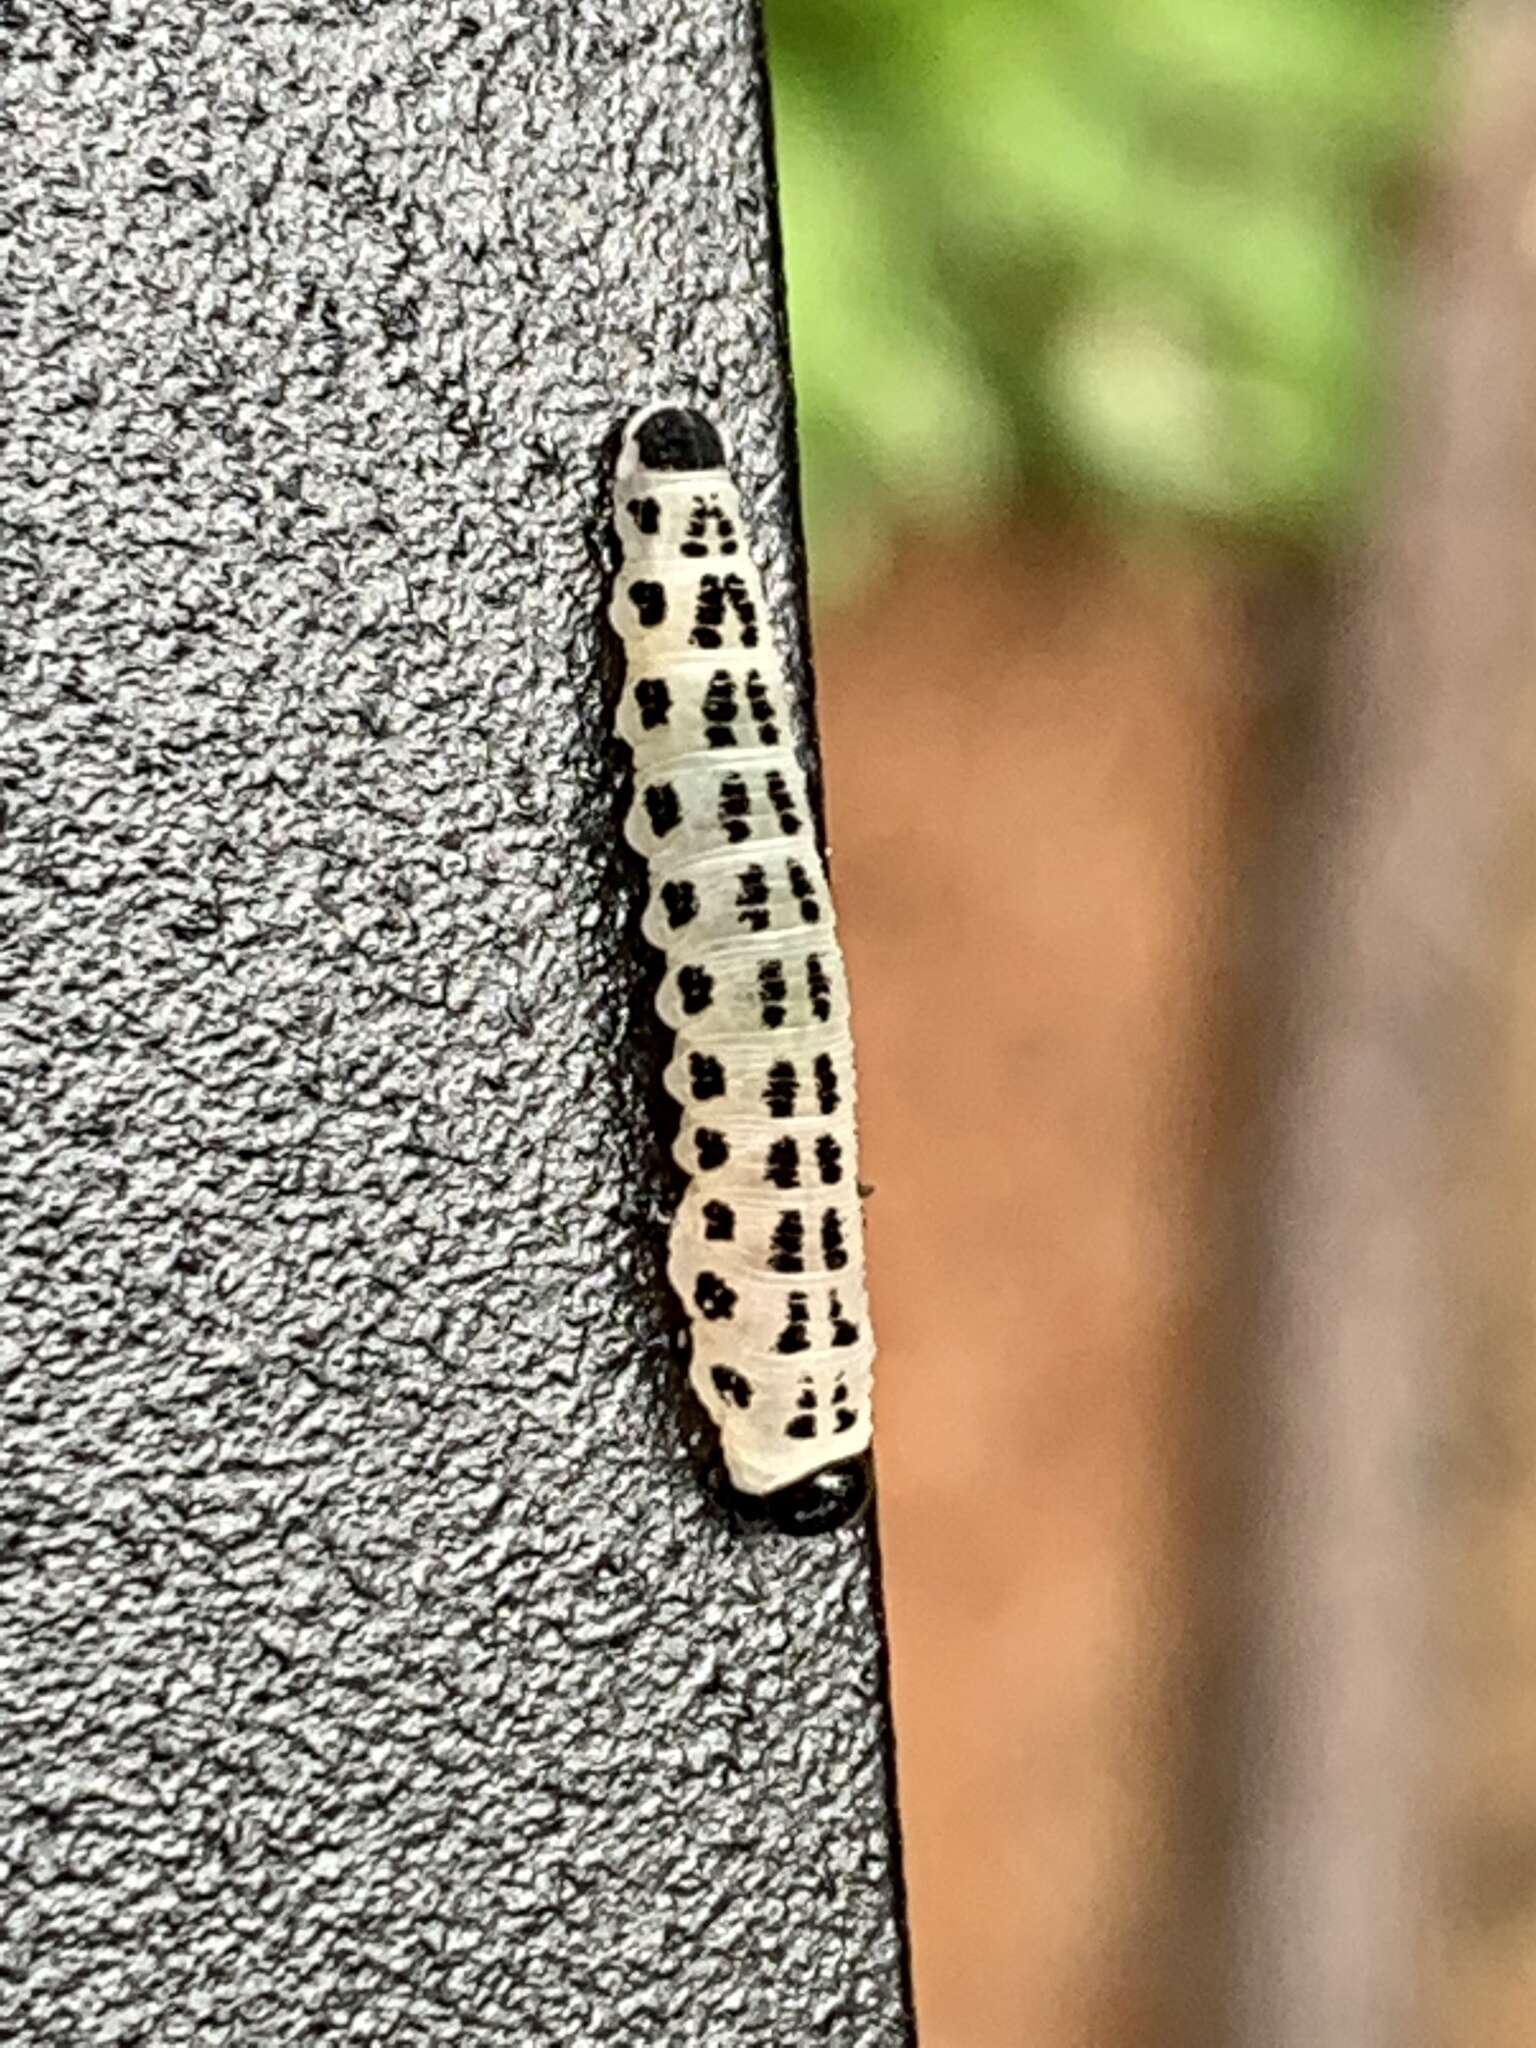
(381, 1663)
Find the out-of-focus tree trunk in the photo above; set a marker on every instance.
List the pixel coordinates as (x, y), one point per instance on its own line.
(1359, 1321)
(1483, 1982)
(1484, 1957)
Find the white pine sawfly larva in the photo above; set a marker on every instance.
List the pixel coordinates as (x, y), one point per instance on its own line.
(767, 1246)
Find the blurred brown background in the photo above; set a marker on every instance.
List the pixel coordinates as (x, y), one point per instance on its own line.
(1168, 503)
(1033, 748)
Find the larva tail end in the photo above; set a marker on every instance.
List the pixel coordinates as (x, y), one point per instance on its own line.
(822, 1501)
(675, 437)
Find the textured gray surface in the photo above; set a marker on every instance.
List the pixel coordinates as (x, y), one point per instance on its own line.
(381, 1667)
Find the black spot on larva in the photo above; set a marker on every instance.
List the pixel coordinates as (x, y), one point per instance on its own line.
(844, 1332)
(720, 1223)
(646, 514)
(711, 1148)
(783, 802)
(654, 700)
(678, 438)
(783, 1168)
(834, 1251)
(662, 808)
(752, 899)
(819, 988)
(804, 892)
(843, 1419)
(680, 900)
(718, 595)
(795, 1335)
(806, 1398)
(771, 992)
(783, 1087)
(731, 1386)
(826, 1083)
(706, 1077)
(760, 705)
(720, 709)
(708, 612)
(650, 602)
(734, 809)
(746, 611)
(829, 1160)
(786, 1248)
(715, 1300)
(696, 990)
(703, 514)
(800, 1426)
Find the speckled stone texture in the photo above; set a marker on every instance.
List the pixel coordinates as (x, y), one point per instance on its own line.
(377, 1664)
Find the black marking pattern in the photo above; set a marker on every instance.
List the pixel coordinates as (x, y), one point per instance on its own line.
(735, 808)
(767, 1247)
(706, 1077)
(780, 796)
(752, 898)
(714, 1298)
(711, 1148)
(720, 712)
(783, 1089)
(783, 1167)
(710, 530)
(662, 808)
(719, 598)
(834, 1250)
(681, 902)
(772, 990)
(796, 1333)
(655, 701)
(804, 891)
(696, 989)
(827, 1097)
(650, 602)
(788, 1248)
(761, 707)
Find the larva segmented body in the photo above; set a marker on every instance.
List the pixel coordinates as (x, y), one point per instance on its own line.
(767, 1247)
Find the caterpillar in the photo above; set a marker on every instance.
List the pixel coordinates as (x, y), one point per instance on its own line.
(766, 1251)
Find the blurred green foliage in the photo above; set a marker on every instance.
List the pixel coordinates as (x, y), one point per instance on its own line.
(1134, 248)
